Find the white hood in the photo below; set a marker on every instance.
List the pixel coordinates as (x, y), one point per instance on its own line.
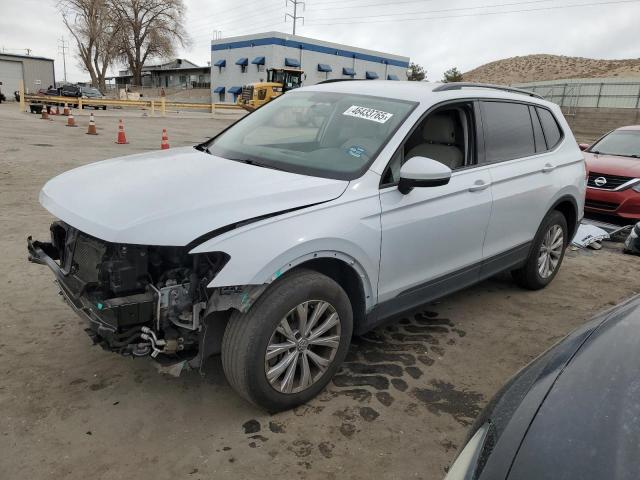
(173, 197)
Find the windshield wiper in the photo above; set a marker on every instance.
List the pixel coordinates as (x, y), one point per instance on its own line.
(253, 162)
(615, 154)
(201, 147)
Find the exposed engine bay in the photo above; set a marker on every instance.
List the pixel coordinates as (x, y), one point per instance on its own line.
(140, 300)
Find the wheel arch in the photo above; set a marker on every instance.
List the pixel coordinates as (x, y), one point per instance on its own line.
(345, 275)
(568, 206)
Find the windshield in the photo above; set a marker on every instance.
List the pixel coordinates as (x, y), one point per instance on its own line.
(324, 134)
(625, 143)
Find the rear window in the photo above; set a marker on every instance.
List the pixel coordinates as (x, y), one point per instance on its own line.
(508, 132)
(551, 129)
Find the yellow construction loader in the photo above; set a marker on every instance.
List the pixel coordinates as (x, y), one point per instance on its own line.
(279, 81)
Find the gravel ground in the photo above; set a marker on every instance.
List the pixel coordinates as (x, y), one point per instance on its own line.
(399, 408)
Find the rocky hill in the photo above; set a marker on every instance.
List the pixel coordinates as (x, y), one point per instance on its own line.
(532, 68)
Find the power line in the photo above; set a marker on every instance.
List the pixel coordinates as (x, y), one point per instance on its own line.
(413, 18)
(241, 29)
(495, 5)
(204, 24)
(295, 15)
(64, 46)
(365, 5)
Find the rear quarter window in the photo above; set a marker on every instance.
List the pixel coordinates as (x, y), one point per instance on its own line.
(508, 132)
(552, 132)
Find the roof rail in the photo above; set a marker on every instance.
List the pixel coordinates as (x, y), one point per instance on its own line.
(460, 85)
(334, 80)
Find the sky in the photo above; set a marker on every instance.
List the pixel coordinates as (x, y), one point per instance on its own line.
(437, 34)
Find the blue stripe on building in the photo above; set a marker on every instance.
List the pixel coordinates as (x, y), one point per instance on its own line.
(308, 46)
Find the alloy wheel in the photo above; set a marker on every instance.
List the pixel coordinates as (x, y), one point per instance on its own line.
(303, 346)
(550, 251)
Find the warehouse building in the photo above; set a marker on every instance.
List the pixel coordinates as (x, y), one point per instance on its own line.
(237, 61)
(178, 73)
(36, 72)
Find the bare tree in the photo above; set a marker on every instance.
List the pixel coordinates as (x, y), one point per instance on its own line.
(150, 29)
(95, 32)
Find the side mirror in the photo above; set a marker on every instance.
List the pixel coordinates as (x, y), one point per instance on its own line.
(583, 146)
(422, 172)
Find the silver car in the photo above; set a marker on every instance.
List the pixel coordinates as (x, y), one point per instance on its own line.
(317, 217)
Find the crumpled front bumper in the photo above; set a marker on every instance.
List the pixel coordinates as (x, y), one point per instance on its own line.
(71, 287)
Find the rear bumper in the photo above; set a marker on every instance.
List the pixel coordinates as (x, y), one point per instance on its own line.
(623, 203)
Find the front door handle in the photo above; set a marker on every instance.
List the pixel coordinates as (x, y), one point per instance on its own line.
(548, 168)
(478, 186)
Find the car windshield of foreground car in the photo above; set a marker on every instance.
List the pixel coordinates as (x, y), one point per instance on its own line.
(625, 143)
(323, 134)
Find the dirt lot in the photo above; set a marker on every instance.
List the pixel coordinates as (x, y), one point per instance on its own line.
(399, 408)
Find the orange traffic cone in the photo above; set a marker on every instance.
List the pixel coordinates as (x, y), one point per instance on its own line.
(57, 110)
(66, 110)
(45, 114)
(92, 126)
(71, 122)
(122, 139)
(164, 145)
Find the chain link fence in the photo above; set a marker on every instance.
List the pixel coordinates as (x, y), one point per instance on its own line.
(588, 93)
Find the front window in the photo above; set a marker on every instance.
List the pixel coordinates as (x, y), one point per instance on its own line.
(624, 143)
(324, 134)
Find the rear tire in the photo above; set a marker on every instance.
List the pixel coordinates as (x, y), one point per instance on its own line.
(546, 254)
(255, 346)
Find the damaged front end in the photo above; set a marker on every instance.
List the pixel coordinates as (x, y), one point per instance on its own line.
(141, 300)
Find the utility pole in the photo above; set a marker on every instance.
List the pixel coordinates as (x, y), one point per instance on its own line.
(295, 15)
(63, 46)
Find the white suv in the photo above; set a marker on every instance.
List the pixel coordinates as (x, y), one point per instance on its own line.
(318, 216)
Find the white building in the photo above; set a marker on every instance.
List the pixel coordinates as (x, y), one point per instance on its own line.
(237, 61)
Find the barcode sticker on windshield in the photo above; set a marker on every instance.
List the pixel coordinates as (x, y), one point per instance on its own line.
(368, 114)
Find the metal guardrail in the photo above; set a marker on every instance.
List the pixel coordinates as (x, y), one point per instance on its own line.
(162, 105)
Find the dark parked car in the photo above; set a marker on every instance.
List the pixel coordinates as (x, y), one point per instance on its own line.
(573, 413)
(93, 94)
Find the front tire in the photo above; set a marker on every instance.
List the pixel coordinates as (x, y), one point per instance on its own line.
(288, 346)
(546, 255)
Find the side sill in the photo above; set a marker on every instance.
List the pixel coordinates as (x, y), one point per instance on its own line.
(444, 285)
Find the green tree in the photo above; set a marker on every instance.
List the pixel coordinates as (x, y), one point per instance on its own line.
(452, 75)
(416, 73)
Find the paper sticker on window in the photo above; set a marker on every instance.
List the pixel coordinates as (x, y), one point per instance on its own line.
(356, 151)
(368, 114)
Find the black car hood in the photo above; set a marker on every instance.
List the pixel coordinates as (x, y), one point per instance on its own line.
(588, 426)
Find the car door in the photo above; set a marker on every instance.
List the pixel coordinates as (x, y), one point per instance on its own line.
(432, 237)
(522, 173)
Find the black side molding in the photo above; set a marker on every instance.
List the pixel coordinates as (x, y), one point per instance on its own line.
(444, 285)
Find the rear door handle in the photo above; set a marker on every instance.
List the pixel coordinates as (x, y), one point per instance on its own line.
(548, 168)
(478, 186)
